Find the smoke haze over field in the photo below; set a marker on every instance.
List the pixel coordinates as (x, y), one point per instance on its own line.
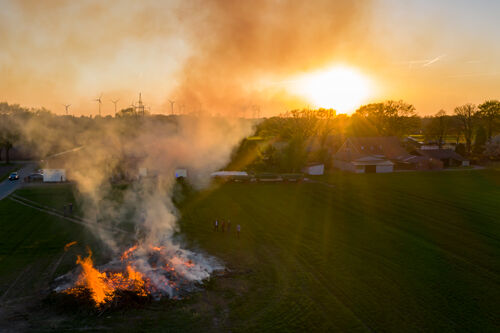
(226, 56)
(201, 145)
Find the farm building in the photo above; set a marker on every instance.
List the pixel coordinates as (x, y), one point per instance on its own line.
(419, 163)
(447, 156)
(361, 163)
(379, 155)
(314, 169)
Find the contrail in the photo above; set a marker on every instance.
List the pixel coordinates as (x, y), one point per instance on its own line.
(422, 62)
(430, 62)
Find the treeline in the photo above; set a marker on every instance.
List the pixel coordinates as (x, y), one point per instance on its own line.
(282, 143)
(288, 142)
(38, 133)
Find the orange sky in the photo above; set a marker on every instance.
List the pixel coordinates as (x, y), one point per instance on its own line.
(230, 57)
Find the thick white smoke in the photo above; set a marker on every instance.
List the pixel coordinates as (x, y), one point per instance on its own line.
(142, 155)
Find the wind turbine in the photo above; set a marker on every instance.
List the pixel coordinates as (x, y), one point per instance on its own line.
(99, 100)
(171, 107)
(114, 102)
(66, 106)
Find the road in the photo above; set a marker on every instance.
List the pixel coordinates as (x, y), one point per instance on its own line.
(9, 186)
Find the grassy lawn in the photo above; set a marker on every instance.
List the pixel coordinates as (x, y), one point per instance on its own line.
(394, 252)
(30, 244)
(51, 195)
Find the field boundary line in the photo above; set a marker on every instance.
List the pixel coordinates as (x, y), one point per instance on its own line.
(2, 299)
(54, 212)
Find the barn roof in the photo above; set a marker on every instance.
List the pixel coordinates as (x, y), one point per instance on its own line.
(381, 148)
(388, 146)
(441, 154)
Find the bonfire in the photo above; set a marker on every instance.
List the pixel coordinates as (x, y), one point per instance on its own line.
(144, 271)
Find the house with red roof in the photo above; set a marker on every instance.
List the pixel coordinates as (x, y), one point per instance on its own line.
(379, 155)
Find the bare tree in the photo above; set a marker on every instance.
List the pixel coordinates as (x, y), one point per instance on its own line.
(467, 114)
(8, 136)
(437, 127)
(391, 118)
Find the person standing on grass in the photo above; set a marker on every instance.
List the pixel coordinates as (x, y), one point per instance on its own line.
(216, 225)
(223, 225)
(238, 229)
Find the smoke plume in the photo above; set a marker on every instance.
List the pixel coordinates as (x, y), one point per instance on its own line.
(213, 56)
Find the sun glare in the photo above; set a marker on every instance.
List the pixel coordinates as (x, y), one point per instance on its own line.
(341, 88)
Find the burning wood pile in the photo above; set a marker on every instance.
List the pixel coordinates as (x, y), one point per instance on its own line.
(143, 272)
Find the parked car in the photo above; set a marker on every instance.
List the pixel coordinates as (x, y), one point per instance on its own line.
(14, 176)
(35, 177)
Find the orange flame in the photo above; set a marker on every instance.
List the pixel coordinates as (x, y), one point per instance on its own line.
(128, 252)
(67, 246)
(94, 280)
(103, 286)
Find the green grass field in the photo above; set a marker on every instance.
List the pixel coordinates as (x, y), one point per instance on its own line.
(394, 252)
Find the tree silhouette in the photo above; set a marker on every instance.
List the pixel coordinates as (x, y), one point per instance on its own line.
(467, 115)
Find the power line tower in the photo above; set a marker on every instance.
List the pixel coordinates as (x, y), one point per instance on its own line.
(139, 109)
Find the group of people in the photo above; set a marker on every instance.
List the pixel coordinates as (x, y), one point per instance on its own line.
(226, 226)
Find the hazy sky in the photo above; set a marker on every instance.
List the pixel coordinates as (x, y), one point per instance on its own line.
(227, 56)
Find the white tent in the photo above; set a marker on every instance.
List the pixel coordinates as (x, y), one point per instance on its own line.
(54, 175)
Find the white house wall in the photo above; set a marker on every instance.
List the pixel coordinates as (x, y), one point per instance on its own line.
(348, 166)
(316, 169)
(384, 168)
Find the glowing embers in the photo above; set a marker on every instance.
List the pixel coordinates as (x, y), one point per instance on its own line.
(144, 271)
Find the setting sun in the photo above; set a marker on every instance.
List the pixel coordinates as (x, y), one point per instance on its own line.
(341, 88)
